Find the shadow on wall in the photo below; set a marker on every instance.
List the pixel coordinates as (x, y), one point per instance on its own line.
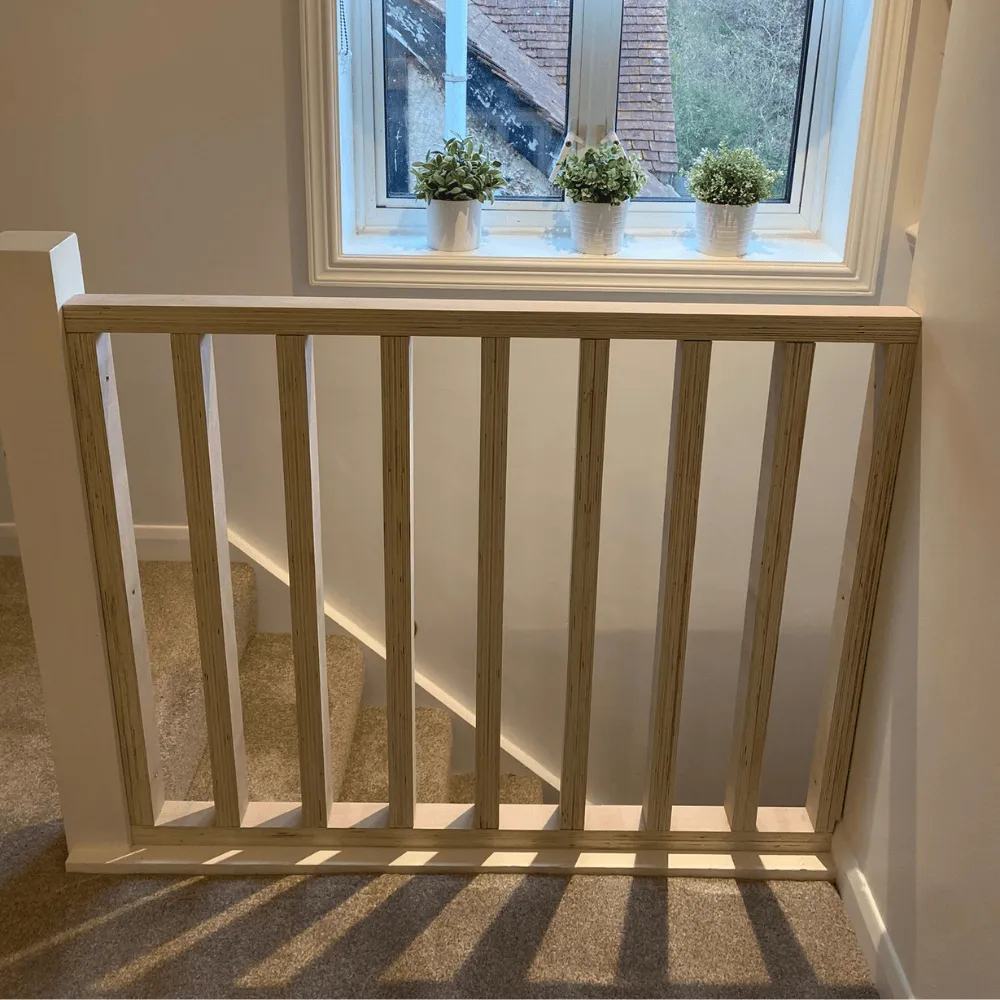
(534, 682)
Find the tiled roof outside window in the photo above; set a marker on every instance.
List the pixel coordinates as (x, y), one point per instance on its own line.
(540, 29)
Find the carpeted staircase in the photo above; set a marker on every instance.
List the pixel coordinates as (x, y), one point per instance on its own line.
(358, 746)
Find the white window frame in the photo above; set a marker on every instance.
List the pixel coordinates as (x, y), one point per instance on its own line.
(592, 112)
(827, 240)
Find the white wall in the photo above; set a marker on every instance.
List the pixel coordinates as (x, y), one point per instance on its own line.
(168, 137)
(924, 803)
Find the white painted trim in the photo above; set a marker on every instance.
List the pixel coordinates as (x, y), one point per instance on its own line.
(170, 541)
(878, 138)
(308, 860)
(857, 276)
(176, 533)
(39, 273)
(162, 541)
(280, 573)
(593, 97)
(873, 937)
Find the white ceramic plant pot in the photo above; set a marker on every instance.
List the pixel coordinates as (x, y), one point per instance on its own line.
(597, 228)
(454, 225)
(723, 230)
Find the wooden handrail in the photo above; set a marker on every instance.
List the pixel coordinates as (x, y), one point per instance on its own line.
(59, 346)
(739, 823)
(220, 314)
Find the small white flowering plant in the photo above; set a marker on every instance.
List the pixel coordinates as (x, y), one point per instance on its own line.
(460, 171)
(730, 177)
(605, 174)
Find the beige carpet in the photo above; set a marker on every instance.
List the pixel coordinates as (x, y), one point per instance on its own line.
(390, 935)
(267, 684)
(522, 789)
(175, 658)
(367, 777)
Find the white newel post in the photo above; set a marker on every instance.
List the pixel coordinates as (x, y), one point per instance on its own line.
(38, 273)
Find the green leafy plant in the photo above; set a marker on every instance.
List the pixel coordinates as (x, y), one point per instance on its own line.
(605, 174)
(734, 73)
(459, 171)
(730, 176)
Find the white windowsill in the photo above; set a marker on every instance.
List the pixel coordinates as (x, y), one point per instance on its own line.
(643, 248)
(650, 264)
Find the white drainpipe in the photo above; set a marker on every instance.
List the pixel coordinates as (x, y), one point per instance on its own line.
(456, 45)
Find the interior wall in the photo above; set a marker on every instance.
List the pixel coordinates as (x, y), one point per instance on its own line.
(880, 819)
(924, 800)
(168, 136)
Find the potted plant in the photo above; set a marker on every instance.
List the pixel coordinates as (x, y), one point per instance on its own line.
(599, 182)
(728, 184)
(455, 181)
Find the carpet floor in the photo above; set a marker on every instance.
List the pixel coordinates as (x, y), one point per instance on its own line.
(382, 935)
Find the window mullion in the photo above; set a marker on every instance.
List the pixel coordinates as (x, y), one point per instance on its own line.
(593, 96)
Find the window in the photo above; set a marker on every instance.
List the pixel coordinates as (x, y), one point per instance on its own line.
(387, 79)
(668, 77)
(700, 71)
(506, 86)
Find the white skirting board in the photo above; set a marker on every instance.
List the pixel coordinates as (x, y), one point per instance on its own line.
(170, 541)
(863, 913)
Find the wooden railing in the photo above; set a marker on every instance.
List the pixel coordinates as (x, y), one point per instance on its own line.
(660, 824)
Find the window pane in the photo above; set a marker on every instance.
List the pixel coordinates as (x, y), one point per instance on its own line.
(695, 72)
(517, 59)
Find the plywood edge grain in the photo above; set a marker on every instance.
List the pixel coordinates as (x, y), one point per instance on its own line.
(201, 860)
(450, 826)
(220, 314)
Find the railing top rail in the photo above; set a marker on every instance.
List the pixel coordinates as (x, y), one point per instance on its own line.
(488, 318)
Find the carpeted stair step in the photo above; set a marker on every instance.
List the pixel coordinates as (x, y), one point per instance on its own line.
(367, 778)
(267, 689)
(175, 660)
(515, 789)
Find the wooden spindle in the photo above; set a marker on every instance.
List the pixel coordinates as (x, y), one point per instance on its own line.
(788, 401)
(397, 496)
(494, 387)
(860, 569)
(102, 457)
(680, 520)
(300, 458)
(592, 402)
(201, 458)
